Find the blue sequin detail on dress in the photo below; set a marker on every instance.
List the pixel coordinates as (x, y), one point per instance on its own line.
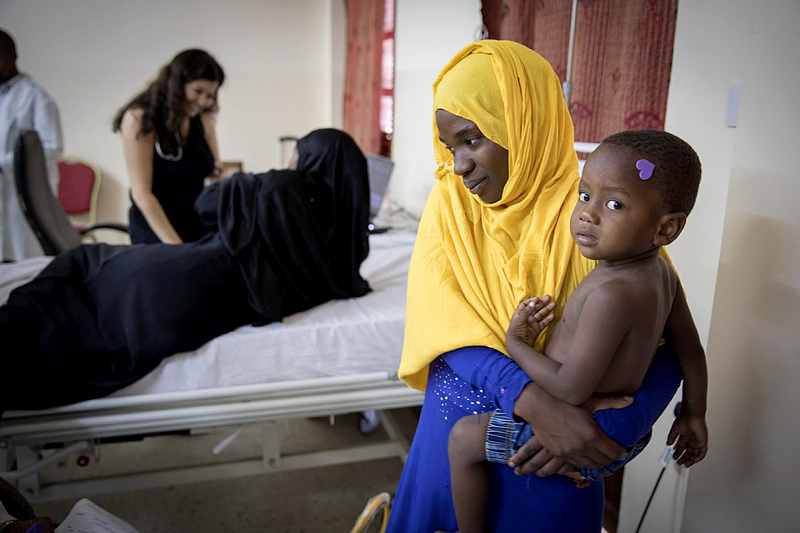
(456, 396)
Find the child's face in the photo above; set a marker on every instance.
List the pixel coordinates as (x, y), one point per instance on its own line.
(617, 215)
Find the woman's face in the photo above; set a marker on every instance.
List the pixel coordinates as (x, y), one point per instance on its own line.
(200, 95)
(481, 163)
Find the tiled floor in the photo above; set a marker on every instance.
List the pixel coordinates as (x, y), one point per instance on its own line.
(327, 499)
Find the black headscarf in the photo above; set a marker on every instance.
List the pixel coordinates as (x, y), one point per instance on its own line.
(333, 158)
(298, 237)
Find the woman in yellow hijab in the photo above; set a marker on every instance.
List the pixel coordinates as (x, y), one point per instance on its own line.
(495, 230)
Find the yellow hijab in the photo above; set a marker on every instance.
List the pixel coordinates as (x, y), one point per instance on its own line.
(474, 262)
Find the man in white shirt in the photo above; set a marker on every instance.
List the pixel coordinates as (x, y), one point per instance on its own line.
(23, 106)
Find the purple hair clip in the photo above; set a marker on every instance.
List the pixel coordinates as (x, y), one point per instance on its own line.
(645, 169)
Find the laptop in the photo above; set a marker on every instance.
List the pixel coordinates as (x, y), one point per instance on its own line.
(379, 169)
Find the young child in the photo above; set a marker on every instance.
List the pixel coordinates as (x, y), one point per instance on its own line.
(635, 194)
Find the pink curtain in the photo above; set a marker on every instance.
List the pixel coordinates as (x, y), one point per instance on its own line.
(621, 63)
(362, 85)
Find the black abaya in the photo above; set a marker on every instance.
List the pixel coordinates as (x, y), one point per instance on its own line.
(100, 317)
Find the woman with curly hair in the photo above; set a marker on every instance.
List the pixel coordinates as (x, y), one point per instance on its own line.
(170, 147)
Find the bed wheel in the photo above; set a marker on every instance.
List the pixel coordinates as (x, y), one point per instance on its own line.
(368, 422)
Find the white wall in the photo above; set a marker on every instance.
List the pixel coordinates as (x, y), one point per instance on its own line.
(749, 480)
(427, 35)
(702, 70)
(719, 42)
(93, 55)
(338, 43)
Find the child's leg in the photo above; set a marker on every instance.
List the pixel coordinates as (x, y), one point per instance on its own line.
(469, 477)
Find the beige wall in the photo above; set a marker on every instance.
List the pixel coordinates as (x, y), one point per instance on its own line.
(338, 45)
(719, 42)
(427, 34)
(744, 484)
(702, 70)
(93, 55)
(749, 481)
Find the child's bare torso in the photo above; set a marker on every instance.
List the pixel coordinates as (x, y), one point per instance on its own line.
(653, 282)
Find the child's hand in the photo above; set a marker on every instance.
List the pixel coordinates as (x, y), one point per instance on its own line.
(529, 319)
(692, 436)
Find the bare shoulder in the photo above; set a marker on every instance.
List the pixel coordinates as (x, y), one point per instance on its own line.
(132, 121)
(133, 114)
(207, 120)
(664, 264)
(616, 292)
(602, 293)
(670, 278)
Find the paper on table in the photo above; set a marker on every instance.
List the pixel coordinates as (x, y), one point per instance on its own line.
(87, 517)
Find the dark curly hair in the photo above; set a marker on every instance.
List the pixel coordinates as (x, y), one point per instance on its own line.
(7, 44)
(162, 101)
(677, 166)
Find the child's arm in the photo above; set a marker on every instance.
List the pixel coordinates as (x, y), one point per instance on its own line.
(690, 426)
(604, 321)
(528, 321)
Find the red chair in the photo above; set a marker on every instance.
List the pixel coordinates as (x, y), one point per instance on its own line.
(44, 213)
(79, 188)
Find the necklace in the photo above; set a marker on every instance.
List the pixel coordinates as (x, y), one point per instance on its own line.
(170, 157)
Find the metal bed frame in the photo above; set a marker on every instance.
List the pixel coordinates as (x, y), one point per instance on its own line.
(76, 428)
(31, 441)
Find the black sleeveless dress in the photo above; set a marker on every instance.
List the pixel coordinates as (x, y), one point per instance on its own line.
(177, 184)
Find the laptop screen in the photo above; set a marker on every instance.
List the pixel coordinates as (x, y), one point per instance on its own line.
(379, 169)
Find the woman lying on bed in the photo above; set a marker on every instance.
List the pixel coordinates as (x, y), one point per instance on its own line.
(100, 317)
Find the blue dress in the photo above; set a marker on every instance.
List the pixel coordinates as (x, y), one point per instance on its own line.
(477, 379)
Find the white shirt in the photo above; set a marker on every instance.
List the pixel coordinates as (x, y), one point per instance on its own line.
(24, 106)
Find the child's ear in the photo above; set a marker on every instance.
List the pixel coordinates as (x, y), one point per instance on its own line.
(669, 227)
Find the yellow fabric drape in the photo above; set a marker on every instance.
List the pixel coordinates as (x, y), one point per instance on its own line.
(474, 262)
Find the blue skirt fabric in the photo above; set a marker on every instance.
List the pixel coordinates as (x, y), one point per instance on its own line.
(476, 380)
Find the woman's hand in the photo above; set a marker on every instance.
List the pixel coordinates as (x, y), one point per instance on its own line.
(566, 436)
(533, 458)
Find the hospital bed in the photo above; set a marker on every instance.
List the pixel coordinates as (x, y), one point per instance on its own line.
(340, 357)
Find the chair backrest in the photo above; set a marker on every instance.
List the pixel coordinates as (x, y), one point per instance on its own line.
(43, 212)
(78, 186)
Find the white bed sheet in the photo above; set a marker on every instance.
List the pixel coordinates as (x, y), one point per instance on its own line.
(338, 338)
